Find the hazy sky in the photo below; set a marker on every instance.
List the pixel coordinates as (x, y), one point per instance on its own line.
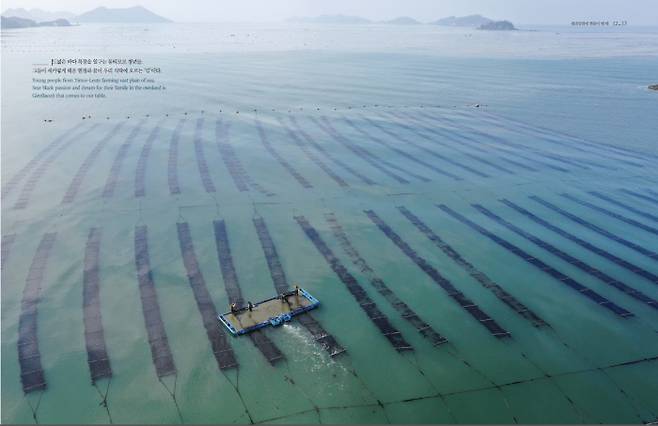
(636, 12)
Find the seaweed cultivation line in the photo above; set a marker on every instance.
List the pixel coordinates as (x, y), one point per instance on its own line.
(457, 148)
(278, 157)
(424, 149)
(466, 304)
(591, 247)
(402, 308)
(311, 156)
(113, 177)
(624, 206)
(16, 178)
(232, 285)
(562, 159)
(74, 187)
(7, 243)
(142, 163)
(602, 276)
(533, 131)
(233, 164)
(460, 138)
(651, 254)
(36, 175)
(478, 275)
(559, 276)
(610, 213)
(29, 356)
(172, 163)
(320, 335)
(208, 184)
(328, 126)
(327, 341)
(598, 145)
(318, 147)
(97, 358)
(219, 343)
(398, 150)
(504, 145)
(157, 336)
(359, 152)
(360, 295)
(163, 359)
(640, 196)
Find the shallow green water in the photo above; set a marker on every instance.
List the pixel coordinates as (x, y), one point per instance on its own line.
(590, 365)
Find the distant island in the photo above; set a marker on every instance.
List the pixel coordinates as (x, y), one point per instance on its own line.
(15, 22)
(38, 15)
(22, 18)
(472, 21)
(498, 26)
(129, 15)
(402, 20)
(330, 19)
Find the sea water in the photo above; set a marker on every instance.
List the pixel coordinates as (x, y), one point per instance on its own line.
(491, 115)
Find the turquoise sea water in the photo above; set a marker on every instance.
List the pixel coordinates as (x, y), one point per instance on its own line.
(561, 111)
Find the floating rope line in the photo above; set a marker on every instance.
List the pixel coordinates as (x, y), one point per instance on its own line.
(38, 172)
(25, 170)
(160, 351)
(359, 152)
(579, 162)
(478, 275)
(417, 129)
(559, 276)
(459, 137)
(588, 269)
(601, 252)
(328, 155)
(310, 154)
(370, 308)
(113, 176)
(633, 246)
(281, 284)
(142, 162)
(86, 165)
(7, 243)
(330, 127)
(241, 178)
(624, 206)
(97, 357)
(612, 214)
(172, 162)
(279, 158)
(378, 283)
(640, 196)
(218, 339)
(397, 150)
(598, 145)
(509, 147)
(104, 395)
(201, 162)
(433, 153)
(269, 350)
(464, 302)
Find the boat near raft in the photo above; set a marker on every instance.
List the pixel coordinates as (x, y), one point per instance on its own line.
(271, 312)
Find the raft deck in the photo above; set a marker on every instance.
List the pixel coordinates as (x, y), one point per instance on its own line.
(271, 312)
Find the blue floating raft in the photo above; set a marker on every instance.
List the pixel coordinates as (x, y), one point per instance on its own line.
(271, 312)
